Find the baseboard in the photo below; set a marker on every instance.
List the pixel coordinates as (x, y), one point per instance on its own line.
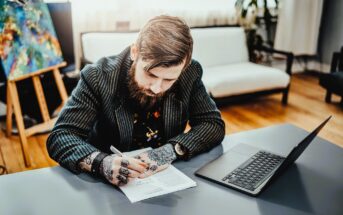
(299, 65)
(318, 66)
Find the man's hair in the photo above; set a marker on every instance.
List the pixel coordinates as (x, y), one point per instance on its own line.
(165, 41)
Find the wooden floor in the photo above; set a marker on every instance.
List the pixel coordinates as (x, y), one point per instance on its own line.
(306, 109)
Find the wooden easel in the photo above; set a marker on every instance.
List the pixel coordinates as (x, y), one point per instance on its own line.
(13, 104)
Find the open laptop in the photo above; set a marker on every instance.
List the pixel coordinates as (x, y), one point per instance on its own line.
(249, 169)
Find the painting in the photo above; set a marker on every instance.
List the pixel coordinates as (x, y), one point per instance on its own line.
(28, 40)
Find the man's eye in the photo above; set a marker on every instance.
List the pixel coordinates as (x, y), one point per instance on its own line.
(169, 81)
(151, 75)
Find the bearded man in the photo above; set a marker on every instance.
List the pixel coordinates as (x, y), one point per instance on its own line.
(143, 97)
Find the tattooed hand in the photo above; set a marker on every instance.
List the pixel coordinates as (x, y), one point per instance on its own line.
(117, 170)
(158, 159)
(121, 170)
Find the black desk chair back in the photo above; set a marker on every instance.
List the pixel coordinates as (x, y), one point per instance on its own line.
(333, 82)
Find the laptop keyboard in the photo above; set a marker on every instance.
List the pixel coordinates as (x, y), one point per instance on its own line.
(252, 173)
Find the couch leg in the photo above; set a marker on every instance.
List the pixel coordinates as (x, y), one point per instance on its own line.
(328, 97)
(285, 97)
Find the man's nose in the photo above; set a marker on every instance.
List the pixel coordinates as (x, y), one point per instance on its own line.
(156, 87)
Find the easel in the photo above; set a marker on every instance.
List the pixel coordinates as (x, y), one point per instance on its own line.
(14, 104)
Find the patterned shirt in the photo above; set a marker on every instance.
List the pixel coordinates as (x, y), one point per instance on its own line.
(147, 128)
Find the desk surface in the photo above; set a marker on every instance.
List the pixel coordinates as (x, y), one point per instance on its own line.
(314, 185)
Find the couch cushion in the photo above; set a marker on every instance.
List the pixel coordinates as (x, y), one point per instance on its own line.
(219, 46)
(212, 46)
(234, 79)
(103, 44)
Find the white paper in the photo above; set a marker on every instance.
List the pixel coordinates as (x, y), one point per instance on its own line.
(166, 181)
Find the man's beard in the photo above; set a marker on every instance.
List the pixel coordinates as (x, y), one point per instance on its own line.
(144, 97)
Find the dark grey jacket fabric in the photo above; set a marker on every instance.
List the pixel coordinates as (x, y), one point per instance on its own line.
(97, 116)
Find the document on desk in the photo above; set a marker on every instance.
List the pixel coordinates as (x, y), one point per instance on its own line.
(164, 182)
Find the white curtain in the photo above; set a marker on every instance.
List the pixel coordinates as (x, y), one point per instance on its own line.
(298, 26)
(111, 15)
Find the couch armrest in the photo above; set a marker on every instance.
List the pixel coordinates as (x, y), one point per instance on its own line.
(289, 56)
(84, 62)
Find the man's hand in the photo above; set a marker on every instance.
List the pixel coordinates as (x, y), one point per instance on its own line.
(121, 170)
(158, 159)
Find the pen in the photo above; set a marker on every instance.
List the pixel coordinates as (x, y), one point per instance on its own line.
(116, 151)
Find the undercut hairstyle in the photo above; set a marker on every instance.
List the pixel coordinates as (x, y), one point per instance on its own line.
(165, 41)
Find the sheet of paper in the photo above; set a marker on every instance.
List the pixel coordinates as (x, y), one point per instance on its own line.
(167, 181)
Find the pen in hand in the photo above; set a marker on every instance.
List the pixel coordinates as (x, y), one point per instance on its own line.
(116, 151)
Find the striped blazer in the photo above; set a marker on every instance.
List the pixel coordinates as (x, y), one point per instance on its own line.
(95, 115)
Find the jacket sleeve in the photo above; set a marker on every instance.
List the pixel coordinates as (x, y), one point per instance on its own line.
(207, 127)
(67, 143)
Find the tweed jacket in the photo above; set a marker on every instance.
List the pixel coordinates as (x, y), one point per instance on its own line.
(97, 116)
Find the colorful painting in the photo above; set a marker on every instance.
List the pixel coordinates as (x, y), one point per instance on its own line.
(28, 40)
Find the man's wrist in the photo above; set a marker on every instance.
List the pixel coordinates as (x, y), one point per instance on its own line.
(179, 150)
(95, 169)
(170, 148)
(86, 163)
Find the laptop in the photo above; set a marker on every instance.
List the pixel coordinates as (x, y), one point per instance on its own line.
(249, 169)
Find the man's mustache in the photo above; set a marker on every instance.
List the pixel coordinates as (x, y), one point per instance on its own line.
(150, 93)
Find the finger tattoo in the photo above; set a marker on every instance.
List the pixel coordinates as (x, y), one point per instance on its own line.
(124, 171)
(124, 163)
(122, 179)
(153, 168)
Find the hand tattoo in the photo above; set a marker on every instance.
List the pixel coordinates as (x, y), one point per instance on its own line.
(163, 155)
(106, 168)
(139, 158)
(86, 163)
(122, 179)
(125, 163)
(88, 160)
(124, 171)
(153, 168)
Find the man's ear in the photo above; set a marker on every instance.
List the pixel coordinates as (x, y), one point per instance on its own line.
(133, 52)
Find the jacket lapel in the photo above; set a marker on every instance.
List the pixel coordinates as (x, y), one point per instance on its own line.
(125, 125)
(172, 114)
(123, 115)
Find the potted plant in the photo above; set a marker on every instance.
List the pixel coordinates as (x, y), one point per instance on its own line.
(252, 16)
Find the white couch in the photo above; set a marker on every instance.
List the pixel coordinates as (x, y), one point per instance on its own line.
(222, 52)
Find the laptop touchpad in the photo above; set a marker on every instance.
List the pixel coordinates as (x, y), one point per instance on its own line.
(245, 149)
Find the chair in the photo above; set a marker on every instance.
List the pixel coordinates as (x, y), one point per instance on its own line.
(333, 82)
